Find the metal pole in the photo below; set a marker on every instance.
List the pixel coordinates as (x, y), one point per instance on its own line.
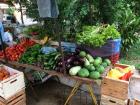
(22, 20)
(58, 30)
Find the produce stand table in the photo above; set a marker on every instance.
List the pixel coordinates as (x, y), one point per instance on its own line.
(79, 81)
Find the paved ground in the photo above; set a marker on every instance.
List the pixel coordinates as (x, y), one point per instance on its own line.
(54, 93)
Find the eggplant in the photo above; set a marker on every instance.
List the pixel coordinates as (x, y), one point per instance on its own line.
(68, 66)
(60, 64)
(68, 57)
(76, 63)
(71, 59)
(77, 51)
(82, 60)
(73, 54)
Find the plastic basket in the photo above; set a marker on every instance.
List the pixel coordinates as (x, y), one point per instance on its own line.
(110, 48)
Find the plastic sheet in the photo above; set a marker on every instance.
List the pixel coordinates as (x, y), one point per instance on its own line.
(68, 47)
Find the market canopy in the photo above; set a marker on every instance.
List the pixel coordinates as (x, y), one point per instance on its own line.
(3, 6)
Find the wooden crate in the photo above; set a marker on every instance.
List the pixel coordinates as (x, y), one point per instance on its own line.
(136, 102)
(107, 100)
(13, 84)
(115, 88)
(17, 99)
(134, 86)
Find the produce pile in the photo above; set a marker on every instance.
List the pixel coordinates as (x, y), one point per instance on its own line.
(49, 60)
(97, 36)
(34, 56)
(70, 60)
(79, 63)
(13, 53)
(4, 74)
(83, 65)
(121, 73)
(31, 54)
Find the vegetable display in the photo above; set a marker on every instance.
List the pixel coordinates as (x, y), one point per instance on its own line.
(34, 56)
(89, 67)
(49, 60)
(83, 72)
(31, 54)
(97, 36)
(74, 70)
(78, 63)
(121, 73)
(13, 53)
(70, 60)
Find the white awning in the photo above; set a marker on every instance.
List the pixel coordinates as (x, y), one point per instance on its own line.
(4, 6)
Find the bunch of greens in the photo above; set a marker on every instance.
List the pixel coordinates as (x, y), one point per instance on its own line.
(49, 61)
(97, 36)
(34, 56)
(30, 56)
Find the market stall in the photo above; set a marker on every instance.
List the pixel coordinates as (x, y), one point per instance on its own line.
(92, 56)
(80, 65)
(59, 73)
(75, 60)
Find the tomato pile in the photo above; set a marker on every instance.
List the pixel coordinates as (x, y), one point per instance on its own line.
(4, 74)
(13, 53)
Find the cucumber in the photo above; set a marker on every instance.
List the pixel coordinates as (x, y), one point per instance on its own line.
(82, 53)
(86, 63)
(90, 58)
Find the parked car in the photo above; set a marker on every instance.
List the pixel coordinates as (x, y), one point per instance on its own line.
(8, 19)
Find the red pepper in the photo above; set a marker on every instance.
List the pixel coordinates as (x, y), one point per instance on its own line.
(126, 76)
(129, 74)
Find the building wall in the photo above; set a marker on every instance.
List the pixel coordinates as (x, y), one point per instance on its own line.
(1, 15)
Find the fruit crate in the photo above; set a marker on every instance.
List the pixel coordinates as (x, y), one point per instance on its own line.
(12, 84)
(108, 100)
(17, 99)
(115, 88)
(134, 86)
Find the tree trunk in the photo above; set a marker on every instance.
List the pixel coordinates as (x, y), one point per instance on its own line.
(21, 12)
(103, 9)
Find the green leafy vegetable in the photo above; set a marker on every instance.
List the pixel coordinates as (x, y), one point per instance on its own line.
(97, 36)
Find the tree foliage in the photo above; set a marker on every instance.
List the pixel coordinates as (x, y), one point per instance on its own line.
(76, 13)
(125, 15)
